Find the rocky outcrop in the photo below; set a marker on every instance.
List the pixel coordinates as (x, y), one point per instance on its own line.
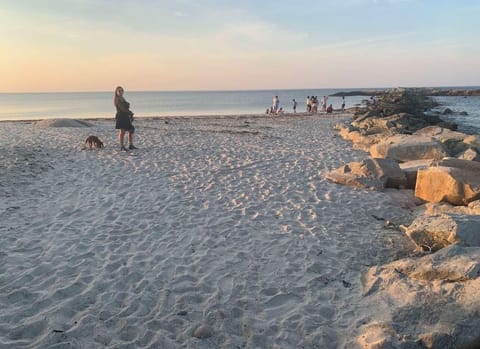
(410, 169)
(453, 92)
(427, 91)
(450, 184)
(452, 140)
(413, 101)
(436, 208)
(432, 233)
(469, 155)
(431, 300)
(428, 302)
(473, 141)
(407, 148)
(370, 174)
(361, 139)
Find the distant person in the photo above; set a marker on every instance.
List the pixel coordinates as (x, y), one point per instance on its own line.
(324, 103)
(330, 109)
(343, 103)
(280, 111)
(294, 103)
(123, 119)
(314, 104)
(373, 102)
(309, 104)
(267, 111)
(275, 104)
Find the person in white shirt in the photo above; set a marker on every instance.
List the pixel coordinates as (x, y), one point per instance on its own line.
(275, 104)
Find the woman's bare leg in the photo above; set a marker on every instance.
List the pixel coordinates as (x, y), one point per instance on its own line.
(121, 137)
(130, 138)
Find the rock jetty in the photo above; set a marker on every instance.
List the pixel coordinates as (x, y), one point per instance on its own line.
(428, 91)
(431, 299)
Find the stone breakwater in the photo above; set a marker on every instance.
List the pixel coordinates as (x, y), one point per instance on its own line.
(427, 91)
(431, 299)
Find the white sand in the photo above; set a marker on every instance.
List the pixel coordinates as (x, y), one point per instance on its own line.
(217, 221)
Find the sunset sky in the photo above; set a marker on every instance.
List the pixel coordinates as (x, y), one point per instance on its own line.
(94, 45)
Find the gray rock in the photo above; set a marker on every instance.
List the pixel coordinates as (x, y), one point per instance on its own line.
(203, 331)
(370, 173)
(428, 302)
(469, 155)
(456, 185)
(410, 169)
(408, 147)
(432, 233)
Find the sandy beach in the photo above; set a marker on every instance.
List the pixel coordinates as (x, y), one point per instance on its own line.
(225, 223)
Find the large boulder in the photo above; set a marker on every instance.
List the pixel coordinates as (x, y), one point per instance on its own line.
(361, 141)
(408, 147)
(461, 164)
(452, 140)
(370, 173)
(473, 141)
(455, 185)
(428, 302)
(442, 134)
(432, 233)
(410, 169)
(470, 155)
(373, 123)
(404, 100)
(436, 208)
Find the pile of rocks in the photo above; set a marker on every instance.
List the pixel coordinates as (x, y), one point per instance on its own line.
(413, 101)
(435, 295)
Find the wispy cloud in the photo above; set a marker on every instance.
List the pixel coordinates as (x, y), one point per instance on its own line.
(180, 14)
(261, 32)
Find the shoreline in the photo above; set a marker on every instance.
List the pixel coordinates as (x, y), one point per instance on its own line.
(200, 117)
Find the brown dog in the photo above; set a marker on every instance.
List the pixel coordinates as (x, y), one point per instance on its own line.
(94, 142)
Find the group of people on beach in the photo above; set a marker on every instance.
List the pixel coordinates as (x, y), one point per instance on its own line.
(124, 116)
(311, 105)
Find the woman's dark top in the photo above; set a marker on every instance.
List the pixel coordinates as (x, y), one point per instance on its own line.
(124, 116)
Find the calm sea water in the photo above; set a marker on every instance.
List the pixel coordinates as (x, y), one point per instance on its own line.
(469, 123)
(34, 106)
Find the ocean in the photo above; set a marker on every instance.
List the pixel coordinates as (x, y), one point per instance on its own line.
(91, 105)
(34, 106)
(469, 123)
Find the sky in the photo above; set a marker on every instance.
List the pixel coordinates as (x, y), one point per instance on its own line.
(95, 45)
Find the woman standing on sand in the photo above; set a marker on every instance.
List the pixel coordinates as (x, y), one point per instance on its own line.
(123, 118)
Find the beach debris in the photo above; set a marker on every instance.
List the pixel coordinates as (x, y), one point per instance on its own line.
(378, 218)
(203, 331)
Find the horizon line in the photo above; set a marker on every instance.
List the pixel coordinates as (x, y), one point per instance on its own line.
(246, 90)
